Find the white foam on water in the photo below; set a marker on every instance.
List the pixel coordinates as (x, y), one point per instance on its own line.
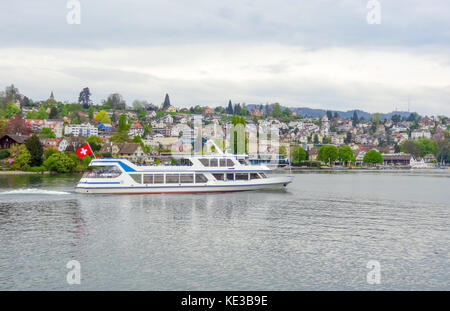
(34, 191)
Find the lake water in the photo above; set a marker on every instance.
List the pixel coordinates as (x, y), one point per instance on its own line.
(319, 235)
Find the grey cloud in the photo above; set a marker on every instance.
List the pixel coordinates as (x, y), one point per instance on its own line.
(145, 23)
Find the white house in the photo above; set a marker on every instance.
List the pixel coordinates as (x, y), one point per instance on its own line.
(420, 133)
(84, 129)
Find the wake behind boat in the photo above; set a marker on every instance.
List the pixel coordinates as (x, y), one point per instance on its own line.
(195, 174)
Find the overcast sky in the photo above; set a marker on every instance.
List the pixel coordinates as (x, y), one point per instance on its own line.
(318, 54)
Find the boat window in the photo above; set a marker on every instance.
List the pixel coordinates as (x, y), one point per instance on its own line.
(263, 175)
(214, 162)
(199, 178)
(230, 162)
(218, 176)
(148, 179)
(137, 178)
(158, 178)
(205, 162)
(242, 161)
(223, 162)
(172, 178)
(230, 176)
(241, 176)
(187, 178)
(254, 176)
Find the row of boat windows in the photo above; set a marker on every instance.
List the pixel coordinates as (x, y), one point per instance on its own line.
(169, 178)
(190, 178)
(238, 176)
(217, 162)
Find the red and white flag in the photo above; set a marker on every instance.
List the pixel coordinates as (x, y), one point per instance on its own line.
(84, 151)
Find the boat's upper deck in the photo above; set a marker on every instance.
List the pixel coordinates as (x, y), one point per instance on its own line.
(207, 163)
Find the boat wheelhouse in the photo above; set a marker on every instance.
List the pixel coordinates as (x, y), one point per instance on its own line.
(193, 174)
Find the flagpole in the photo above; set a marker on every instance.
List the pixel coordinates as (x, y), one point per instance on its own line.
(91, 149)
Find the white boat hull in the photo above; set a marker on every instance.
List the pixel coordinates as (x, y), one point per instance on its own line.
(273, 183)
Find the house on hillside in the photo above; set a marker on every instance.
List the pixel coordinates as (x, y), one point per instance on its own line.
(136, 129)
(9, 140)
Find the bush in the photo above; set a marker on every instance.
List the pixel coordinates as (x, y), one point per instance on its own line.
(60, 163)
(4, 153)
(22, 160)
(49, 152)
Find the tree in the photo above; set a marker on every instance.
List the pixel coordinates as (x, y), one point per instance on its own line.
(166, 103)
(34, 146)
(427, 146)
(17, 126)
(277, 111)
(355, 119)
(376, 118)
(103, 117)
(327, 154)
(287, 112)
(219, 109)
(346, 155)
(47, 133)
(237, 109)
(372, 157)
(53, 113)
(396, 118)
(84, 98)
(229, 108)
(12, 94)
(120, 137)
(413, 117)
(49, 152)
(115, 101)
(443, 154)
(298, 154)
(42, 114)
(95, 142)
(411, 147)
(139, 105)
(138, 139)
(11, 110)
(123, 124)
(91, 112)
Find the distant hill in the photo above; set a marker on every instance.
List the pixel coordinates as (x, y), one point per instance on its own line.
(305, 111)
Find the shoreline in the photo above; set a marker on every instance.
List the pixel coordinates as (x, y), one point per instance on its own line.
(21, 173)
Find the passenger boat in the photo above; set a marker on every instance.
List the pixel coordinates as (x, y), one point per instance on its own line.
(194, 174)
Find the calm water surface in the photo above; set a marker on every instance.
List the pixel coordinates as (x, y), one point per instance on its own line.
(319, 235)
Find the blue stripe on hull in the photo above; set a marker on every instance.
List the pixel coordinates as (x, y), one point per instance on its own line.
(183, 186)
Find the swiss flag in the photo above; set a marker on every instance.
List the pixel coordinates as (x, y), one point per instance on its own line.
(84, 151)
